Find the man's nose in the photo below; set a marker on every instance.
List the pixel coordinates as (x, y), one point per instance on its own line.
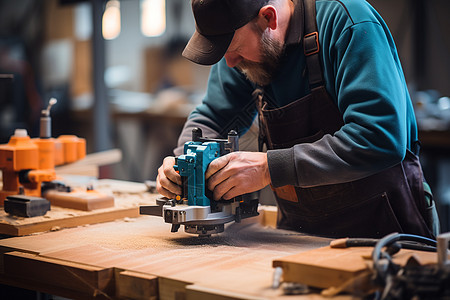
(232, 59)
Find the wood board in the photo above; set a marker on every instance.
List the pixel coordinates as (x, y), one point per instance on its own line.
(328, 267)
(236, 264)
(92, 279)
(128, 196)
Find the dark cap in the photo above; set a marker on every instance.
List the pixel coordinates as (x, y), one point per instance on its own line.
(216, 22)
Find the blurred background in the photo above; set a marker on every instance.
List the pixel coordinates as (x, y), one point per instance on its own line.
(116, 70)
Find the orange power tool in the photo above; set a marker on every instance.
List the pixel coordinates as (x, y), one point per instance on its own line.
(26, 163)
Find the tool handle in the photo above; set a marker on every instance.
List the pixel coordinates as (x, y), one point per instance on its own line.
(442, 249)
(352, 242)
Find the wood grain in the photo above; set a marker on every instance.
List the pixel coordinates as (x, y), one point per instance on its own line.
(237, 261)
(91, 280)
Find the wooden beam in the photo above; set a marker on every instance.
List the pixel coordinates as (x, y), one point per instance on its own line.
(136, 285)
(76, 277)
(335, 267)
(170, 289)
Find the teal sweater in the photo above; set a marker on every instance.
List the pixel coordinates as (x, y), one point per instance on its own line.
(364, 77)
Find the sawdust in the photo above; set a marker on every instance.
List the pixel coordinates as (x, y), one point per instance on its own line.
(151, 233)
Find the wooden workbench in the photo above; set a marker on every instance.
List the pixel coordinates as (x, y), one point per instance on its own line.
(128, 196)
(140, 258)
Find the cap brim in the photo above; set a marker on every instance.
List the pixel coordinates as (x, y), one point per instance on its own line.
(207, 50)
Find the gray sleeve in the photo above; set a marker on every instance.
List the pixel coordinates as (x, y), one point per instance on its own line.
(327, 161)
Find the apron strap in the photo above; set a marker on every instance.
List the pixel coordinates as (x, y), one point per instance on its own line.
(311, 45)
(311, 49)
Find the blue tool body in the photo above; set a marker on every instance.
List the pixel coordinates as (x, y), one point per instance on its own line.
(193, 164)
(195, 208)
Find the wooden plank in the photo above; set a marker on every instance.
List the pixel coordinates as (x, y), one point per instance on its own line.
(170, 289)
(135, 285)
(72, 221)
(79, 199)
(332, 267)
(146, 245)
(269, 217)
(62, 274)
(323, 267)
(195, 292)
(44, 287)
(236, 261)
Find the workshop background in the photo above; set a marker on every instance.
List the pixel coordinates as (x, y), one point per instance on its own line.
(116, 70)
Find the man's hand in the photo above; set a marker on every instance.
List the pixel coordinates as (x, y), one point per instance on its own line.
(168, 181)
(237, 173)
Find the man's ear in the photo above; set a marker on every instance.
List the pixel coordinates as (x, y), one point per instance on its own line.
(268, 13)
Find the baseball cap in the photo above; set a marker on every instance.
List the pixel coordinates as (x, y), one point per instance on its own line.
(215, 24)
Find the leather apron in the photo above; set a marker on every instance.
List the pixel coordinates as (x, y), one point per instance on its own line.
(392, 200)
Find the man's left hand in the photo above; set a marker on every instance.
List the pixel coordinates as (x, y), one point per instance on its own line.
(237, 173)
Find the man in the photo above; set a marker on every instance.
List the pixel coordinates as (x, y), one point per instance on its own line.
(334, 111)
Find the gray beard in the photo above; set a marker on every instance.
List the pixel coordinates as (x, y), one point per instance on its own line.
(262, 72)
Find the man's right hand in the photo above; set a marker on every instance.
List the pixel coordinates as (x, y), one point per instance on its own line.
(168, 181)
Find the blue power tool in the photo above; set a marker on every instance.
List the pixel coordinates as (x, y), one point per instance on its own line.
(194, 208)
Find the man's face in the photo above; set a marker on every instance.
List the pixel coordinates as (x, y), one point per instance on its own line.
(255, 53)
